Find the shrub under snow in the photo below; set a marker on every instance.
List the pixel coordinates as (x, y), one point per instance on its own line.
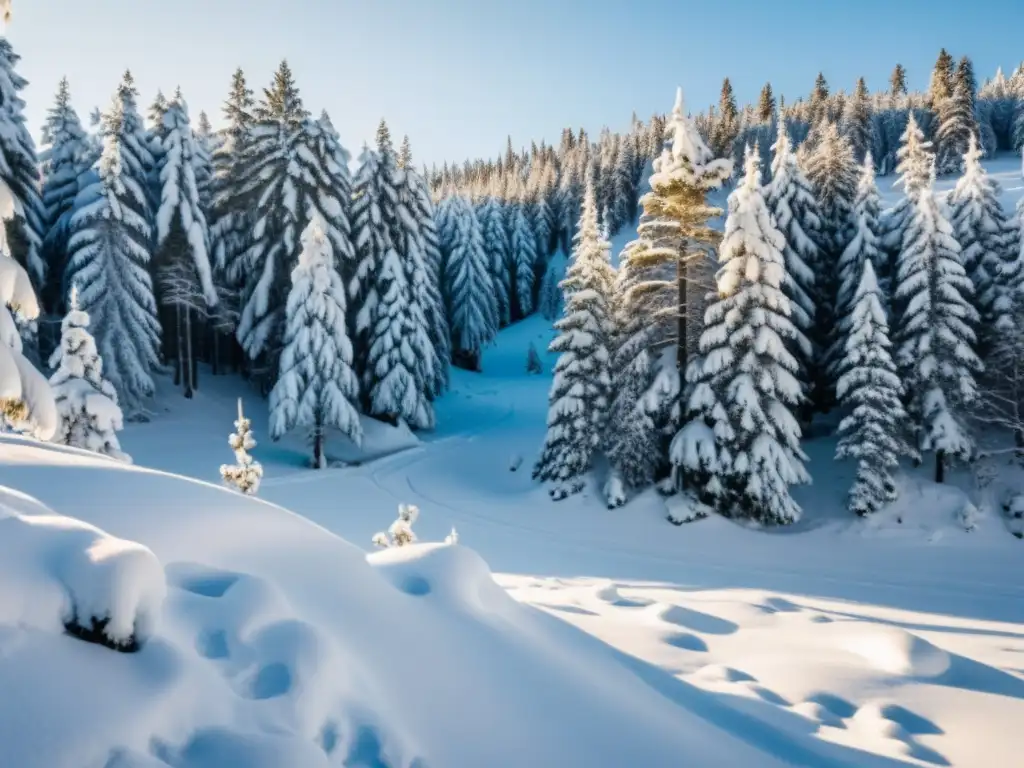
(400, 533)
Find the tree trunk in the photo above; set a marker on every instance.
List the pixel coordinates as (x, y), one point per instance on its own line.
(215, 356)
(940, 466)
(190, 363)
(178, 346)
(318, 446)
(683, 310)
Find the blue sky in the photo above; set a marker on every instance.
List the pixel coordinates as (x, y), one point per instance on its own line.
(459, 75)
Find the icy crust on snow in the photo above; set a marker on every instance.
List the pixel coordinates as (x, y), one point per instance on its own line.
(279, 644)
(56, 571)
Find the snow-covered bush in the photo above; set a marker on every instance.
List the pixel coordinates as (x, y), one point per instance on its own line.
(400, 534)
(58, 572)
(452, 538)
(1013, 508)
(245, 474)
(86, 402)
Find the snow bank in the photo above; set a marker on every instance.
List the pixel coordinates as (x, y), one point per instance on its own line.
(889, 649)
(58, 572)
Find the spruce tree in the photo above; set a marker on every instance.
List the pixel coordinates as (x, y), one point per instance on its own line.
(833, 176)
(496, 222)
(728, 125)
(857, 125)
(20, 172)
(468, 289)
(184, 276)
(316, 388)
(109, 259)
(66, 155)
(914, 168)
(206, 142)
(579, 397)
(940, 87)
(744, 385)
(898, 81)
(818, 107)
(935, 337)
(766, 104)
(523, 253)
(869, 391)
(792, 203)
(989, 249)
(86, 402)
(957, 125)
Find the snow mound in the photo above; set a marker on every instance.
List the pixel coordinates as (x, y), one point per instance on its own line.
(58, 572)
(888, 648)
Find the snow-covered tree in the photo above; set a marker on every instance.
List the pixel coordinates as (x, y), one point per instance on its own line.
(989, 245)
(791, 201)
(245, 474)
(744, 384)
(19, 170)
(206, 144)
(856, 121)
(914, 166)
(523, 251)
(90, 417)
(865, 246)
(533, 363)
(400, 533)
(316, 387)
(957, 124)
(398, 370)
(579, 398)
(935, 339)
(109, 259)
(66, 155)
(182, 240)
(869, 390)
(492, 215)
(467, 285)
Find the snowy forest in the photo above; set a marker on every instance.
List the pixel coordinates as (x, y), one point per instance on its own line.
(766, 295)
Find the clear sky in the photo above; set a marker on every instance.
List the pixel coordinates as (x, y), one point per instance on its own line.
(460, 75)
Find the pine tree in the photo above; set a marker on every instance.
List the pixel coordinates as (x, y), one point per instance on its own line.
(857, 125)
(19, 171)
(496, 222)
(316, 387)
(206, 141)
(914, 168)
(245, 474)
(766, 104)
(941, 86)
(467, 286)
(833, 176)
(579, 398)
(86, 402)
(233, 199)
(523, 254)
(864, 247)
(989, 246)
(898, 81)
(818, 107)
(66, 155)
(957, 125)
(728, 124)
(745, 386)
(935, 340)
(869, 390)
(109, 257)
(185, 279)
(792, 203)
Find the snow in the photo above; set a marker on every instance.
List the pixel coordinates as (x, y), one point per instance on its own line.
(627, 641)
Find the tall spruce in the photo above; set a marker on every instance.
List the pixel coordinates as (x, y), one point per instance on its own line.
(109, 259)
(727, 127)
(935, 336)
(914, 168)
(579, 397)
(857, 126)
(957, 124)
(766, 104)
(940, 87)
(523, 253)
(497, 222)
(869, 390)
(741, 446)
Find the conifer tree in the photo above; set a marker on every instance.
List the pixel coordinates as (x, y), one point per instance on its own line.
(316, 388)
(818, 107)
(935, 338)
(957, 123)
(66, 155)
(206, 141)
(744, 385)
(623, 203)
(579, 398)
(766, 104)
(865, 246)
(523, 252)
(989, 249)
(898, 81)
(467, 287)
(728, 124)
(833, 176)
(869, 390)
(792, 203)
(109, 258)
(914, 168)
(86, 402)
(857, 125)
(185, 278)
(19, 171)
(941, 86)
(497, 233)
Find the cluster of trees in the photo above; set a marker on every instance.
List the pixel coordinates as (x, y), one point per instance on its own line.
(700, 363)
